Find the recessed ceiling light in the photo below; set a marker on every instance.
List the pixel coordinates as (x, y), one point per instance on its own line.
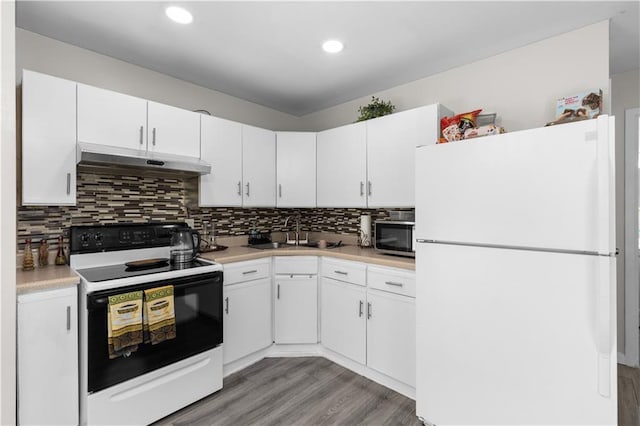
(179, 15)
(332, 46)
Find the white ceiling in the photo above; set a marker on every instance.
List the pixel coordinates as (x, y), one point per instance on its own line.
(269, 52)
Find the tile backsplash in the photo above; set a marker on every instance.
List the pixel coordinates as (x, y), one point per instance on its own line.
(124, 197)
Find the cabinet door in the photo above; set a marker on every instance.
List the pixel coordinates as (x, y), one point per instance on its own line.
(222, 148)
(173, 131)
(342, 166)
(48, 140)
(110, 118)
(296, 309)
(391, 145)
(48, 358)
(391, 335)
(247, 320)
(258, 167)
(342, 319)
(296, 169)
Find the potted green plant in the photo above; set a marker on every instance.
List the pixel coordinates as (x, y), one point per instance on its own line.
(375, 108)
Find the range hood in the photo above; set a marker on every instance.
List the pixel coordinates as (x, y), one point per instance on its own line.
(95, 154)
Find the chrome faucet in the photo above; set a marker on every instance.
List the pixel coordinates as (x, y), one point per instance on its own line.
(297, 240)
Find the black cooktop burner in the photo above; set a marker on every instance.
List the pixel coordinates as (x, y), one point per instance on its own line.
(114, 272)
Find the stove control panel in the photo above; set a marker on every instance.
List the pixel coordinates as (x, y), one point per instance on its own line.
(90, 239)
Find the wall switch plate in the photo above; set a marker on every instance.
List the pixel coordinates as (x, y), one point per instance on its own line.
(190, 222)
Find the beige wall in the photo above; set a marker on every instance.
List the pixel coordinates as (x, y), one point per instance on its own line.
(7, 214)
(625, 94)
(521, 85)
(49, 56)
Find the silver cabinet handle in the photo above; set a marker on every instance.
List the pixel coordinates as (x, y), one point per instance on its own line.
(369, 310)
(247, 189)
(369, 186)
(153, 139)
(141, 131)
(361, 188)
(394, 283)
(360, 310)
(341, 272)
(68, 317)
(227, 308)
(280, 190)
(278, 295)
(240, 188)
(253, 271)
(68, 183)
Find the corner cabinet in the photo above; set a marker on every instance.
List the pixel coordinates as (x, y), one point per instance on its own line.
(296, 300)
(296, 169)
(48, 140)
(47, 358)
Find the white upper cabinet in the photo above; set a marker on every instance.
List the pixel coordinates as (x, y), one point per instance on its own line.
(258, 167)
(342, 166)
(222, 148)
(110, 118)
(173, 130)
(48, 140)
(296, 169)
(391, 144)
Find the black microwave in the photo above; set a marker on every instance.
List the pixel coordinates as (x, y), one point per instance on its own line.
(395, 237)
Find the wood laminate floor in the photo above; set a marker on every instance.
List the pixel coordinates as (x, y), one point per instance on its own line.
(316, 391)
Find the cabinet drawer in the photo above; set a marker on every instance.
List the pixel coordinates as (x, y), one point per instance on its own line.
(247, 271)
(343, 270)
(392, 280)
(295, 265)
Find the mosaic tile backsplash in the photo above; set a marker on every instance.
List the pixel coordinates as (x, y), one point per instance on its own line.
(123, 197)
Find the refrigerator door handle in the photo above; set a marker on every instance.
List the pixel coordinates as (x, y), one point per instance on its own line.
(605, 182)
(606, 278)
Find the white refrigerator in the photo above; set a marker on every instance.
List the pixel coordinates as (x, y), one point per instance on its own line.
(516, 287)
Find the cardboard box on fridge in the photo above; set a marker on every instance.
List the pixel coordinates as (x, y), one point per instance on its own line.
(587, 104)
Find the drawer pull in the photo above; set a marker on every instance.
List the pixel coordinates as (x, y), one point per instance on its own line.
(341, 272)
(394, 283)
(253, 271)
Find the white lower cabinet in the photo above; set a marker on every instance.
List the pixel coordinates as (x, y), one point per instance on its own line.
(47, 358)
(296, 309)
(247, 308)
(368, 325)
(343, 320)
(391, 335)
(296, 299)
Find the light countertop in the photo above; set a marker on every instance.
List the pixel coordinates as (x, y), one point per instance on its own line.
(45, 278)
(52, 276)
(349, 252)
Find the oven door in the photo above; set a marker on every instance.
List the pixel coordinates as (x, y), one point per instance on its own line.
(198, 311)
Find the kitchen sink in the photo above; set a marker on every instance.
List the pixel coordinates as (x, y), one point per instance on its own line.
(277, 245)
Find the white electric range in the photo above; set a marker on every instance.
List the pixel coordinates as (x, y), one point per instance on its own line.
(144, 385)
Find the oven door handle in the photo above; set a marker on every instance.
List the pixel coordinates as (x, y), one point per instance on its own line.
(98, 302)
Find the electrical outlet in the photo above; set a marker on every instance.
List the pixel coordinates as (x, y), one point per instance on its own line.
(190, 222)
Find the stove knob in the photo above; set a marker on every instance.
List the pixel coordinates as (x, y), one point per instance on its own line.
(84, 238)
(98, 237)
